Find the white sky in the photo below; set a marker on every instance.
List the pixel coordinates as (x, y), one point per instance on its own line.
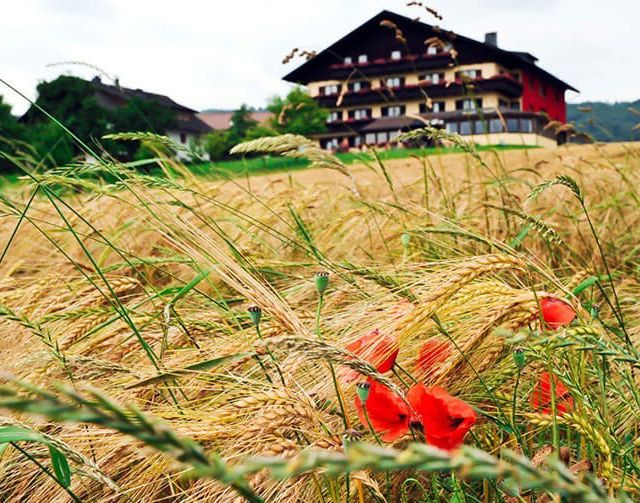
(221, 53)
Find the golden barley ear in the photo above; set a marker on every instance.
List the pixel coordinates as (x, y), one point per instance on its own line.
(565, 180)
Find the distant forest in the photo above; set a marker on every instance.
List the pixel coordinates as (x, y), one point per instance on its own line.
(607, 121)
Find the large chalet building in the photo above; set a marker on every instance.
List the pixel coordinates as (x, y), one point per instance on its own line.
(393, 74)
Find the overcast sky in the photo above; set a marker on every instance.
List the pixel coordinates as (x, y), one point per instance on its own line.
(221, 53)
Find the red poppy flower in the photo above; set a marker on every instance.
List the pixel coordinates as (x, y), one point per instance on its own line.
(556, 313)
(432, 353)
(445, 419)
(541, 396)
(388, 413)
(379, 350)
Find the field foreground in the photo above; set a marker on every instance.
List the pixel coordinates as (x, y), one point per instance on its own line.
(139, 292)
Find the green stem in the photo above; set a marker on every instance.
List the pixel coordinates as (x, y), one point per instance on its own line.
(270, 353)
(45, 470)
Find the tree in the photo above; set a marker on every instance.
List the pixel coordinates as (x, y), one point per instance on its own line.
(11, 132)
(241, 122)
(217, 144)
(298, 113)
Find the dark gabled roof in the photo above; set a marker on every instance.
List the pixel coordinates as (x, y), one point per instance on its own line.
(306, 72)
(193, 125)
(127, 93)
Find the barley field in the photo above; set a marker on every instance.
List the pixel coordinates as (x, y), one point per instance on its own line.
(440, 328)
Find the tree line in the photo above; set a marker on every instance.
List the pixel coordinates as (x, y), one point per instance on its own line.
(72, 101)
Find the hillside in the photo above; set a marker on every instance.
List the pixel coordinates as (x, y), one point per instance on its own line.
(606, 121)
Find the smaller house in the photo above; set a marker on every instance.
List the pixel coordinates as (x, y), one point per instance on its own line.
(221, 119)
(188, 126)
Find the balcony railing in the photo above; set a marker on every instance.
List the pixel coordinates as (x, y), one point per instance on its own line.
(499, 83)
(381, 66)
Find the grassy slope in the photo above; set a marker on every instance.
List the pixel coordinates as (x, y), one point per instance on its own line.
(270, 164)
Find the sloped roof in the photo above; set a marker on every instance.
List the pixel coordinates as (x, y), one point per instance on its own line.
(222, 119)
(118, 91)
(416, 33)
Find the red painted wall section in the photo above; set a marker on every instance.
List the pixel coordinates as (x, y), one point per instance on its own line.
(550, 101)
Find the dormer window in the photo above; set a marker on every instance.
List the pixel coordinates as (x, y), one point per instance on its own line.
(362, 58)
(348, 60)
(432, 50)
(396, 55)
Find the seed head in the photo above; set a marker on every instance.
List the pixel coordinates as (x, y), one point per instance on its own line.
(256, 313)
(362, 389)
(519, 358)
(322, 281)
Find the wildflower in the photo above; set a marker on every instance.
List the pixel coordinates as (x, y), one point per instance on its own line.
(322, 281)
(432, 353)
(388, 414)
(379, 350)
(541, 396)
(556, 313)
(445, 419)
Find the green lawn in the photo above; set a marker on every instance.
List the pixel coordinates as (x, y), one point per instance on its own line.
(270, 164)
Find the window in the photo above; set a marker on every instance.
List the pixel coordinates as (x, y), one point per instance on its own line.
(436, 106)
(348, 60)
(331, 143)
(330, 90)
(396, 55)
(512, 125)
(357, 141)
(183, 138)
(473, 73)
(393, 111)
(432, 78)
(468, 104)
(465, 127)
(495, 126)
(370, 138)
(526, 125)
(382, 137)
(432, 50)
(543, 91)
(359, 114)
(481, 127)
(452, 127)
(502, 103)
(358, 85)
(514, 105)
(393, 81)
(362, 58)
(393, 135)
(334, 116)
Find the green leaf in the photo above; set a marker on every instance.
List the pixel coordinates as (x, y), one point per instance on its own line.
(196, 367)
(60, 466)
(18, 434)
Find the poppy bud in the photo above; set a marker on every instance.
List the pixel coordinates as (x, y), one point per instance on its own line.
(406, 239)
(518, 357)
(594, 311)
(322, 281)
(363, 391)
(255, 313)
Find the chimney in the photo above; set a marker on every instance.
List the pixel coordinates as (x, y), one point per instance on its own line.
(491, 38)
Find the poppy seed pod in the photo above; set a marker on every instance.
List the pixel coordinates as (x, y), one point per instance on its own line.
(519, 357)
(255, 313)
(406, 239)
(363, 391)
(322, 281)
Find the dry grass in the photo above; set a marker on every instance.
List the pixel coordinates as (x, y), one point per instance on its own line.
(95, 276)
